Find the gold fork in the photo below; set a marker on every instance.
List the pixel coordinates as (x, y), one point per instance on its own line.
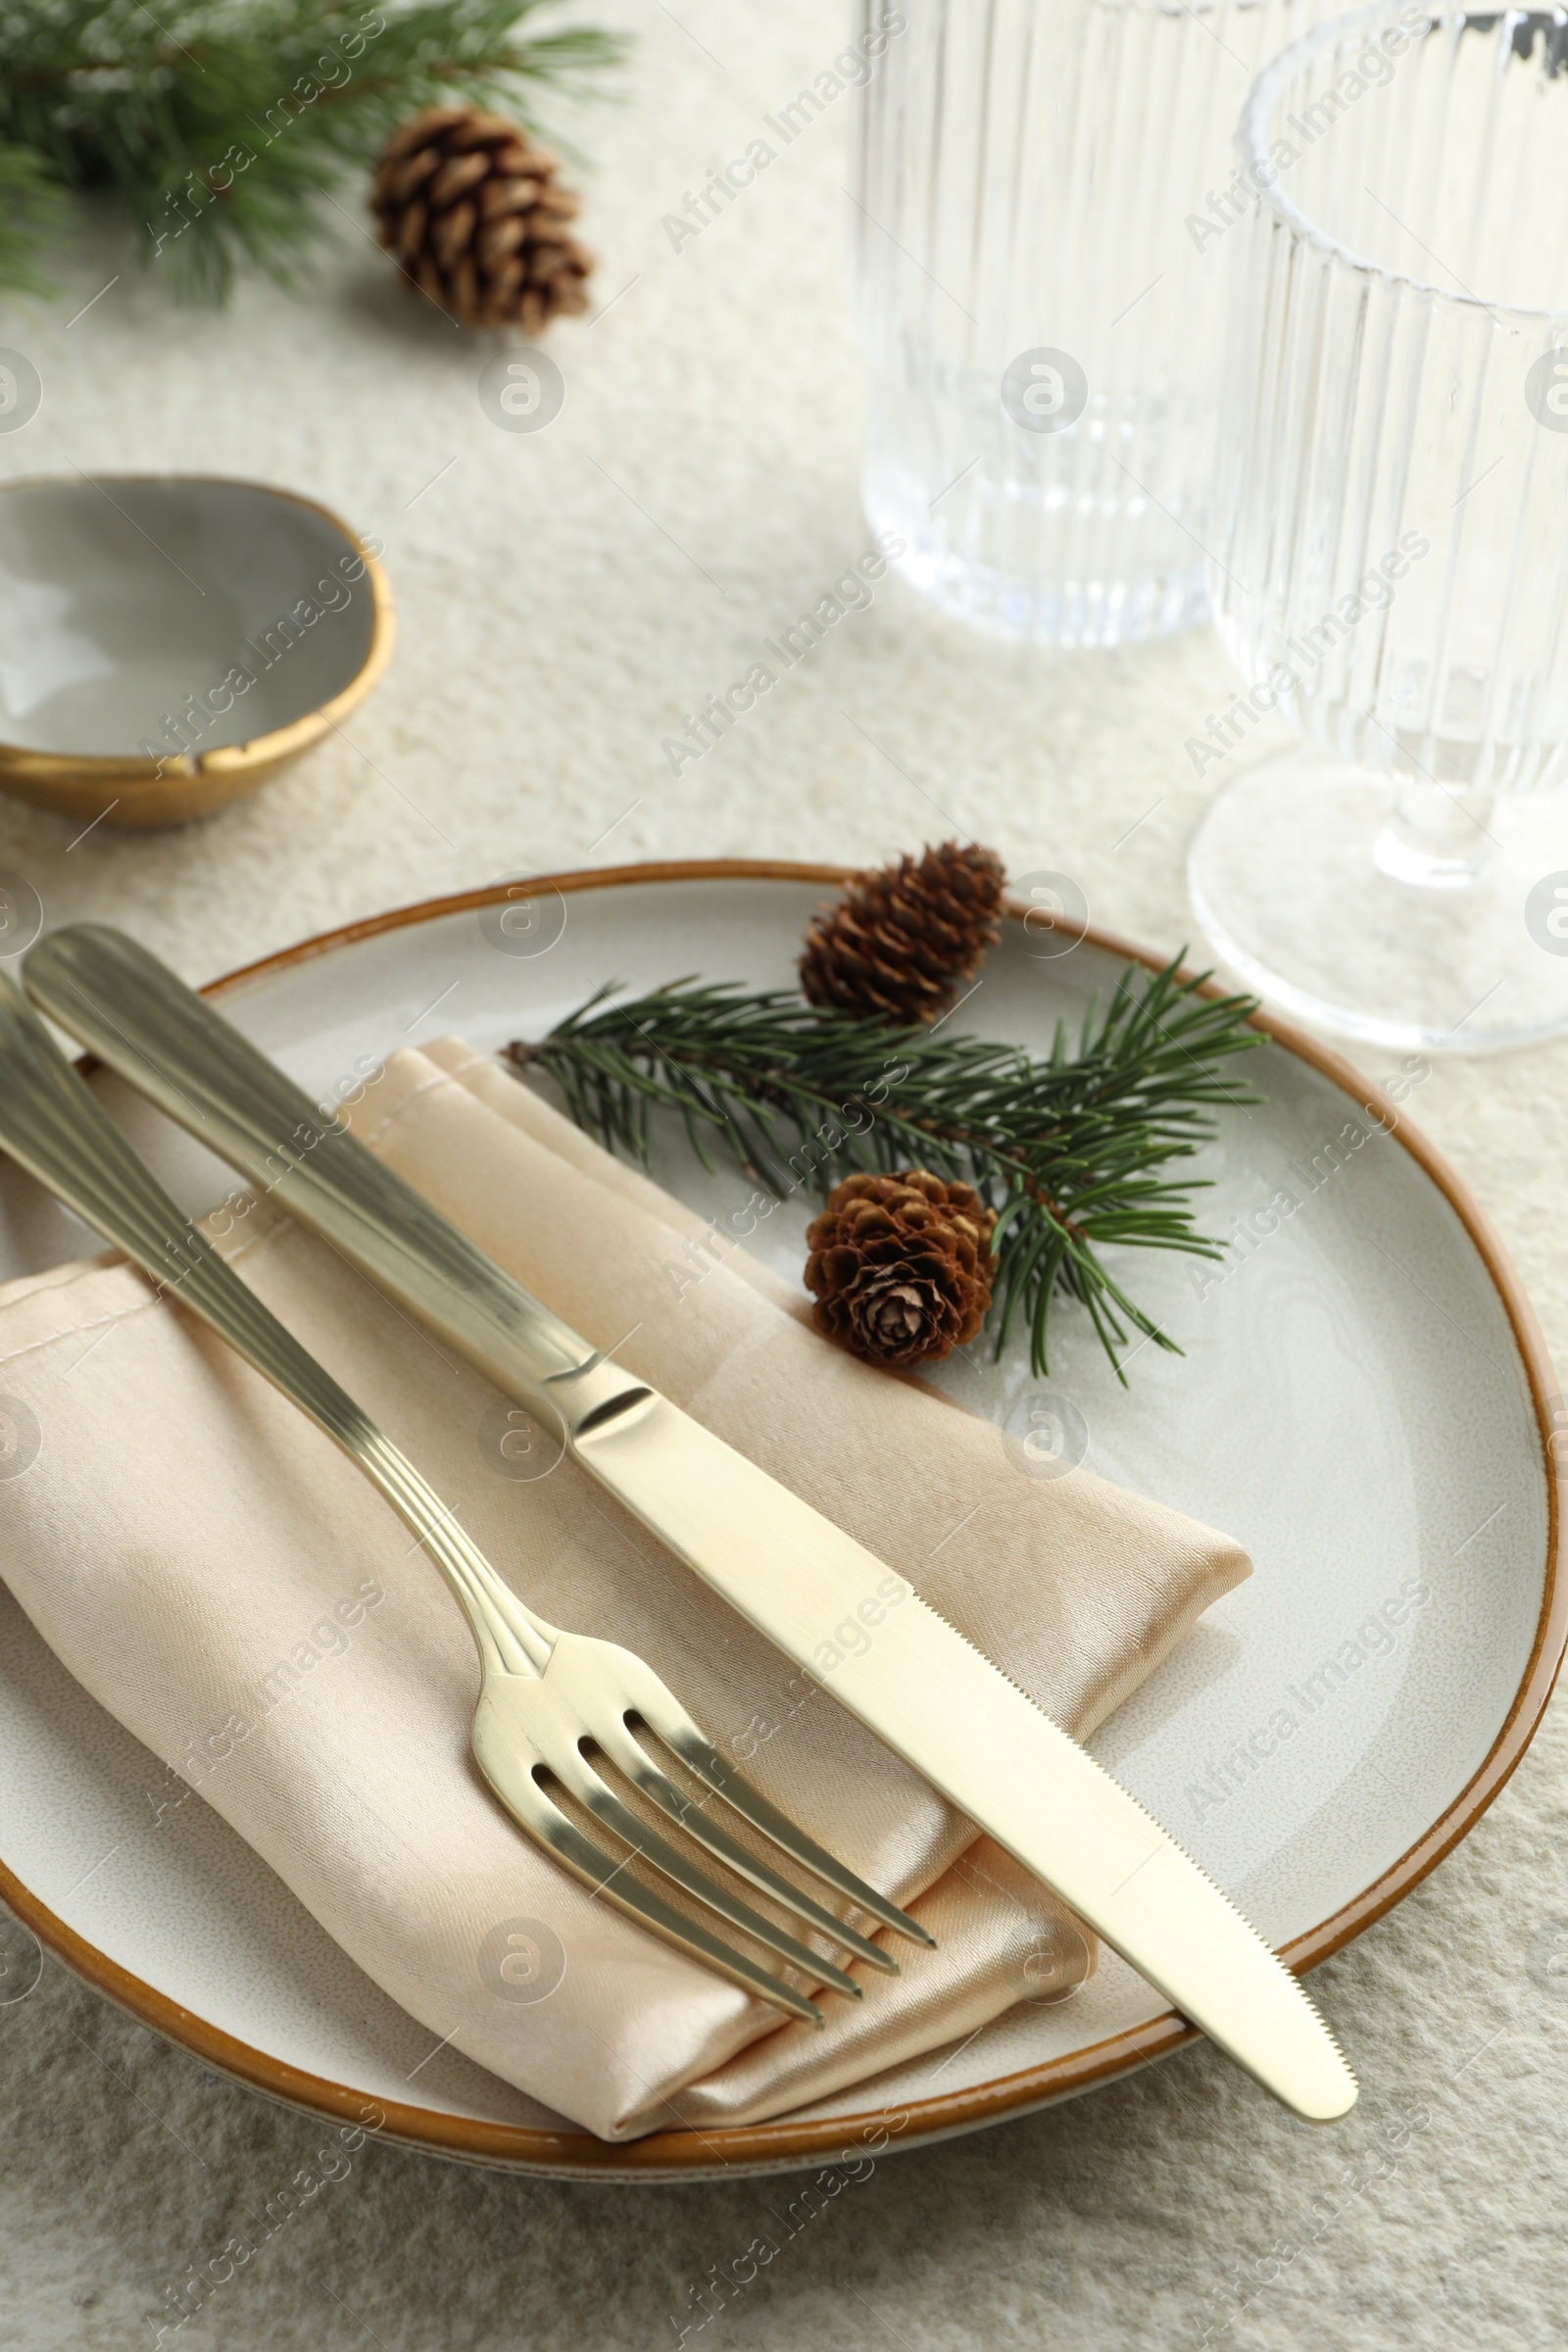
(545, 1697)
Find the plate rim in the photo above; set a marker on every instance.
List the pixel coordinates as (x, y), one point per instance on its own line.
(785, 2143)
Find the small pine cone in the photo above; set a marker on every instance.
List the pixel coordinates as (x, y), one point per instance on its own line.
(901, 1266)
(472, 212)
(904, 938)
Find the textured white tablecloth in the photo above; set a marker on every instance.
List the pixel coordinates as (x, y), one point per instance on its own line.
(563, 600)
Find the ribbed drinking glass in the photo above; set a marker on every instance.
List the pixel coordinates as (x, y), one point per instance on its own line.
(1040, 194)
(1392, 568)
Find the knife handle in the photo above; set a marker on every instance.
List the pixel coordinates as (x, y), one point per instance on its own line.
(164, 1039)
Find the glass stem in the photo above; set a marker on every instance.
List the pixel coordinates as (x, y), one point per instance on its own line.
(1437, 836)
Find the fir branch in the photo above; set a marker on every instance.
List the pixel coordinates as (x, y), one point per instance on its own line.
(217, 124)
(1070, 1150)
(29, 205)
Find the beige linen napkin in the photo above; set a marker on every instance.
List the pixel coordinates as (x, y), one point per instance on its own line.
(224, 1583)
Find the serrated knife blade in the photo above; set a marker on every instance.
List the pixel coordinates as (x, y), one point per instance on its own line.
(858, 1628)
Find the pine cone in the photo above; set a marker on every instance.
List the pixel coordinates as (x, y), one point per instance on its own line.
(901, 1266)
(904, 938)
(469, 206)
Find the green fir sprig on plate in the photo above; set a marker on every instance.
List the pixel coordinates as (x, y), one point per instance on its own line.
(1073, 1151)
(220, 127)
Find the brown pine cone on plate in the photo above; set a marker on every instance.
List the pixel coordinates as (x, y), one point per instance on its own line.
(901, 1266)
(472, 212)
(904, 938)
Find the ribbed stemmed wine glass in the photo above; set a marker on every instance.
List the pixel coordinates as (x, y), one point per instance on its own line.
(1391, 570)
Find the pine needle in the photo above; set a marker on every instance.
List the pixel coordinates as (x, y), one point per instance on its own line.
(29, 206)
(1071, 1151)
(216, 125)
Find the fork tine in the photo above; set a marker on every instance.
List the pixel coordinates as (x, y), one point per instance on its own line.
(544, 1821)
(665, 1716)
(574, 1770)
(644, 1773)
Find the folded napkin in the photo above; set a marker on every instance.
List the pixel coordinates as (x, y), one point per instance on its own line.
(227, 1585)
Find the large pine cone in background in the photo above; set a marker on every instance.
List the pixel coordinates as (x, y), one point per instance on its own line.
(901, 1266)
(905, 937)
(472, 211)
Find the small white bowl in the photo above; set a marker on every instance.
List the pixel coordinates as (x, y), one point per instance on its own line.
(168, 642)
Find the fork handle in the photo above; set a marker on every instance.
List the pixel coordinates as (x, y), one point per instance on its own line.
(51, 1123)
(164, 1039)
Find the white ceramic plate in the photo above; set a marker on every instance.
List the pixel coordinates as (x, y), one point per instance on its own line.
(1364, 1401)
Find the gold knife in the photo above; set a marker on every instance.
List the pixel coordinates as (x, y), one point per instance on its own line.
(915, 1682)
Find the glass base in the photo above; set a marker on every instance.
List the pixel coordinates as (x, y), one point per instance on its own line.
(1066, 585)
(1408, 916)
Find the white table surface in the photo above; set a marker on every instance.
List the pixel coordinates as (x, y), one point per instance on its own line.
(563, 598)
